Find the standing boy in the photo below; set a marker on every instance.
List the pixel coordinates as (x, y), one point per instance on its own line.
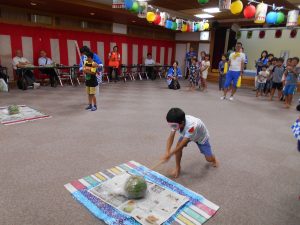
(277, 74)
(90, 70)
(223, 67)
(190, 129)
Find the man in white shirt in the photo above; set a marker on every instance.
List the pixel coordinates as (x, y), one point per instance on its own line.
(149, 63)
(45, 61)
(236, 68)
(20, 62)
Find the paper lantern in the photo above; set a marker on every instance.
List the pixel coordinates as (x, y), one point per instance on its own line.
(203, 1)
(135, 7)
(293, 33)
(206, 26)
(292, 18)
(169, 24)
(179, 24)
(184, 28)
(261, 12)
(224, 4)
(196, 27)
(262, 34)
(298, 20)
(271, 18)
(174, 26)
(143, 9)
(236, 7)
(249, 11)
(163, 18)
(278, 33)
(128, 4)
(150, 17)
(201, 26)
(157, 19)
(280, 18)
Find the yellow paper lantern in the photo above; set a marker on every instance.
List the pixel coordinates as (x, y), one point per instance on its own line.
(298, 20)
(261, 12)
(236, 7)
(206, 26)
(150, 17)
(184, 28)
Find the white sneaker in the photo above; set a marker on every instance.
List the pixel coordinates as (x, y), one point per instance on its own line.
(231, 98)
(223, 98)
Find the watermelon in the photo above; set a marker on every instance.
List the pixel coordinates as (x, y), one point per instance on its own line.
(13, 109)
(135, 187)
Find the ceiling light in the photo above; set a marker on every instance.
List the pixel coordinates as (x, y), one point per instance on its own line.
(33, 3)
(92, 13)
(212, 10)
(204, 16)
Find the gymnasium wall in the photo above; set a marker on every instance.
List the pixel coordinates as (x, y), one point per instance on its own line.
(60, 45)
(255, 45)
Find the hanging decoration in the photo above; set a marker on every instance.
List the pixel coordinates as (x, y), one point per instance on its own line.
(128, 4)
(249, 34)
(163, 18)
(278, 33)
(203, 1)
(292, 18)
(174, 25)
(135, 7)
(179, 24)
(169, 24)
(118, 4)
(293, 33)
(143, 8)
(280, 18)
(261, 12)
(262, 34)
(236, 7)
(224, 4)
(157, 19)
(249, 11)
(271, 17)
(206, 26)
(150, 17)
(184, 27)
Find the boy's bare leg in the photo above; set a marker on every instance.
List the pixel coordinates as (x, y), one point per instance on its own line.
(90, 99)
(257, 93)
(178, 156)
(233, 91)
(94, 100)
(290, 99)
(212, 160)
(287, 101)
(279, 95)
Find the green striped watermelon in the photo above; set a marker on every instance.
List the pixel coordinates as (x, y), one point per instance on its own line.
(135, 187)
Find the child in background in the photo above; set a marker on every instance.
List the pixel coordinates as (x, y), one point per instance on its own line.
(205, 64)
(190, 129)
(291, 74)
(223, 68)
(194, 70)
(288, 63)
(262, 79)
(90, 69)
(268, 86)
(277, 74)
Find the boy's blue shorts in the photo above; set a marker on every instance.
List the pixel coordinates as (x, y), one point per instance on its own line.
(289, 89)
(205, 148)
(232, 76)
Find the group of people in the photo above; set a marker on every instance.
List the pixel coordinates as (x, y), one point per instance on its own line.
(196, 71)
(273, 74)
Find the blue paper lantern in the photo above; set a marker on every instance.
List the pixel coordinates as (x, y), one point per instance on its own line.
(128, 4)
(169, 24)
(271, 18)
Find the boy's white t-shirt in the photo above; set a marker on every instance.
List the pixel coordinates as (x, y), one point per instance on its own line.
(236, 59)
(262, 77)
(195, 130)
(149, 62)
(205, 72)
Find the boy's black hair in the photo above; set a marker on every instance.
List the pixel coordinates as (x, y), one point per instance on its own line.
(296, 58)
(175, 115)
(176, 62)
(195, 58)
(149, 54)
(85, 49)
(89, 54)
(298, 107)
(264, 66)
(280, 59)
(270, 54)
(274, 59)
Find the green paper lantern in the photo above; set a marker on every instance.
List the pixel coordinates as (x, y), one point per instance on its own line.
(280, 18)
(174, 26)
(135, 7)
(203, 1)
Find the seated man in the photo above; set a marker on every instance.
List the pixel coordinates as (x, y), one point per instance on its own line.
(20, 62)
(44, 61)
(149, 63)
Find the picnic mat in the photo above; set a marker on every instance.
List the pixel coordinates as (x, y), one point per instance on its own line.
(26, 114)
(196, 211)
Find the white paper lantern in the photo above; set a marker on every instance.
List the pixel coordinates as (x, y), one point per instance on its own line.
(261, 12)
(163, 19)
(179, 24)
(201, 26)
(224, 4)
(143, 9)
(292, 18)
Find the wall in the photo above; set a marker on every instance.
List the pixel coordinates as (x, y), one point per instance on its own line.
(255, 45)
(61, 48)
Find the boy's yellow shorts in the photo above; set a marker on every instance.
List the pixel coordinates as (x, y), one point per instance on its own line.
(91, 90)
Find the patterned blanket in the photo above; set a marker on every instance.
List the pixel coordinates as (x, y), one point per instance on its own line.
(195, 212)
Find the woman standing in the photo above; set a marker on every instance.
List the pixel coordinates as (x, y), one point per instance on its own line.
(172, 77)
(262, 61)
(114, 63)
